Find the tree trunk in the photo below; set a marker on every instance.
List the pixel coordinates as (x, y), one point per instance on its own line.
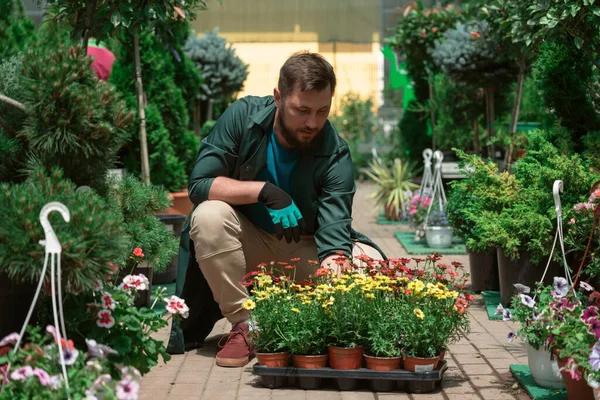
(197, 125)
(141, 110)
(209, 110)
(476, 143)
(516, 109)
(489, 102)
(12, 102)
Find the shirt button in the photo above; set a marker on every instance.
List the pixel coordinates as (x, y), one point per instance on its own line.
(247, 168)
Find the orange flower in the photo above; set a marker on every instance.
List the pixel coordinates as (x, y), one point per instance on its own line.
(435, 29)
(475, 35)
(138, 252)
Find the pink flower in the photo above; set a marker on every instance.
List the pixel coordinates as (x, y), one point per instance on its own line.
(177, 306)
(22, 373)
(572, 221)
(572, 369)
(138, 252)
(9, 339)
(475, 35)
(42, 376)
(98, 286)
(127, 389)
(107, 301)
(105, 319)
(102, 379)
(137, 282)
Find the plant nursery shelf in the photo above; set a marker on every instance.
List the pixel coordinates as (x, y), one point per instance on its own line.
(310, 378)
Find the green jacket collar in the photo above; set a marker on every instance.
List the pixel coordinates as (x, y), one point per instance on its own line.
(328, 143)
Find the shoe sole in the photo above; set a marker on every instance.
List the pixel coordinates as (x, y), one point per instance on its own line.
(232, 362)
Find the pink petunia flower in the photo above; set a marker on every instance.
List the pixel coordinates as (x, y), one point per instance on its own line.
(9, 339)
(22, 373)
(127, 389)
(42, 376)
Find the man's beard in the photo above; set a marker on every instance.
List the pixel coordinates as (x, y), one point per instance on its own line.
(292, 139)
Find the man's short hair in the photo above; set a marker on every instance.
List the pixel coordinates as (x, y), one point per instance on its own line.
(310, 71)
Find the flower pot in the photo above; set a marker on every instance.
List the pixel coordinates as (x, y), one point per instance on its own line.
(273, 360)
(383, 363)
(484, 270)
(595, 388)
(576, 390)
(308, 382)
(442, 355)
(521, 270)
(421, 364)
(438, 237)
(345, 358)
(391, 213)
(15, 300)
(544, 368)
(181, 203)
(174, 223)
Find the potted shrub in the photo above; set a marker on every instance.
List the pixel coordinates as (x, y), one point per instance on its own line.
(534, 330)
(438, 231)
(393, 184)
(473, 205)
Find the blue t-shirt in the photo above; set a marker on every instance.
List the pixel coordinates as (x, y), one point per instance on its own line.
(281, 164)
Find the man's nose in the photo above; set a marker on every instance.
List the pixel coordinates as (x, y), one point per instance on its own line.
(311, 122)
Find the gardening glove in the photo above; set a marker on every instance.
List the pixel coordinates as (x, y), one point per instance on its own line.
(286, 217)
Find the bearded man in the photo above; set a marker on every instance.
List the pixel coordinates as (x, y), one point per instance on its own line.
(272, 181)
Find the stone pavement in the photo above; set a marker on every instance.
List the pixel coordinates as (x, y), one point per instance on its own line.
(478, 364)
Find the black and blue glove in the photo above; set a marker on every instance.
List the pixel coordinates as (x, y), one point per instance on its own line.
(286, 217)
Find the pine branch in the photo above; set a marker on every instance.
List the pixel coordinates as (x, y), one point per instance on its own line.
(12, 102)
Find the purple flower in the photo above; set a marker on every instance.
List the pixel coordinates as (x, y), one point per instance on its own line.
(98, 350)
(561, 287)
(499, 310)
(70, 355)
(22, 373)
(595, 356)
(550, 338)
(511, 336)
(506, 315)
(588, 313)
(55, 382)
(527, 301)
(12, 338)
(42, 376)
(594, 327)
(127, 389)
(586, 286)
(522, 288)
(535, 314)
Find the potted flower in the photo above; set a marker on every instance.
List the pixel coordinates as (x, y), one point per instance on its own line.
(392, 185)
(438, 231)
(534, 329)
(417, 211)
(270, 311)
(35, 369)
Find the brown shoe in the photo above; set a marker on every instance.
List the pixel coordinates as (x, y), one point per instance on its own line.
(237, 351)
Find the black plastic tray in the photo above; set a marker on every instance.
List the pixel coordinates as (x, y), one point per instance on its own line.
(315, 378)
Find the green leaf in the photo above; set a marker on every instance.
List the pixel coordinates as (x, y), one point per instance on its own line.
(578, 42)
(150, 347)
(132, 323)
(122, 344)
(115, 18)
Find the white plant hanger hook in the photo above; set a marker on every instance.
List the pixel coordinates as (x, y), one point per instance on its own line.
(53, 252)
(438, 186)
(557, 189)
(427, 179)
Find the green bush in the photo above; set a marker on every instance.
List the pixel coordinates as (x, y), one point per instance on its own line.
(138, 203)
(12, 148)
(92, 240)
(16, 30)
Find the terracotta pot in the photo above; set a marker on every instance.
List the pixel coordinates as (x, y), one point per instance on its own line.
(391, 213)
(344, 358)
(421, 364)
(576, 390)
(383, 363)
(318, 361)
(181, 203)
(273, 360)
(442, 355)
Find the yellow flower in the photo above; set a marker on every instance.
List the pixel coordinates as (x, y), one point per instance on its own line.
(370, 296)
(419, 313)
(416, 286)
(249, 305)
(295, 309)
(307, 302)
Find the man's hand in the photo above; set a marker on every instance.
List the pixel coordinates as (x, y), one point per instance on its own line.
(336, 263)
(285, 215)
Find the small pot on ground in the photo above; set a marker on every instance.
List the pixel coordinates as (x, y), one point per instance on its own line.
(544, 368)
(383, 364)
(308, 361)
(181, 203)
(576, 390)
(438, 237)
(421, 364)
(274, 360)
(484, 270)
(345, 358)
(521, 270)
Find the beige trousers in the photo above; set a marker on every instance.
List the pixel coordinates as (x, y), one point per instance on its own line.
(228, 246)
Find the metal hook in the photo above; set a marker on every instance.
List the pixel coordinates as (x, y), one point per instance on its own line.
(557, 189)
(427, 154)
(51, 241)
(439, 157)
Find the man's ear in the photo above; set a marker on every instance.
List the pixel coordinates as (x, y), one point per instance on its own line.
(277, 97)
